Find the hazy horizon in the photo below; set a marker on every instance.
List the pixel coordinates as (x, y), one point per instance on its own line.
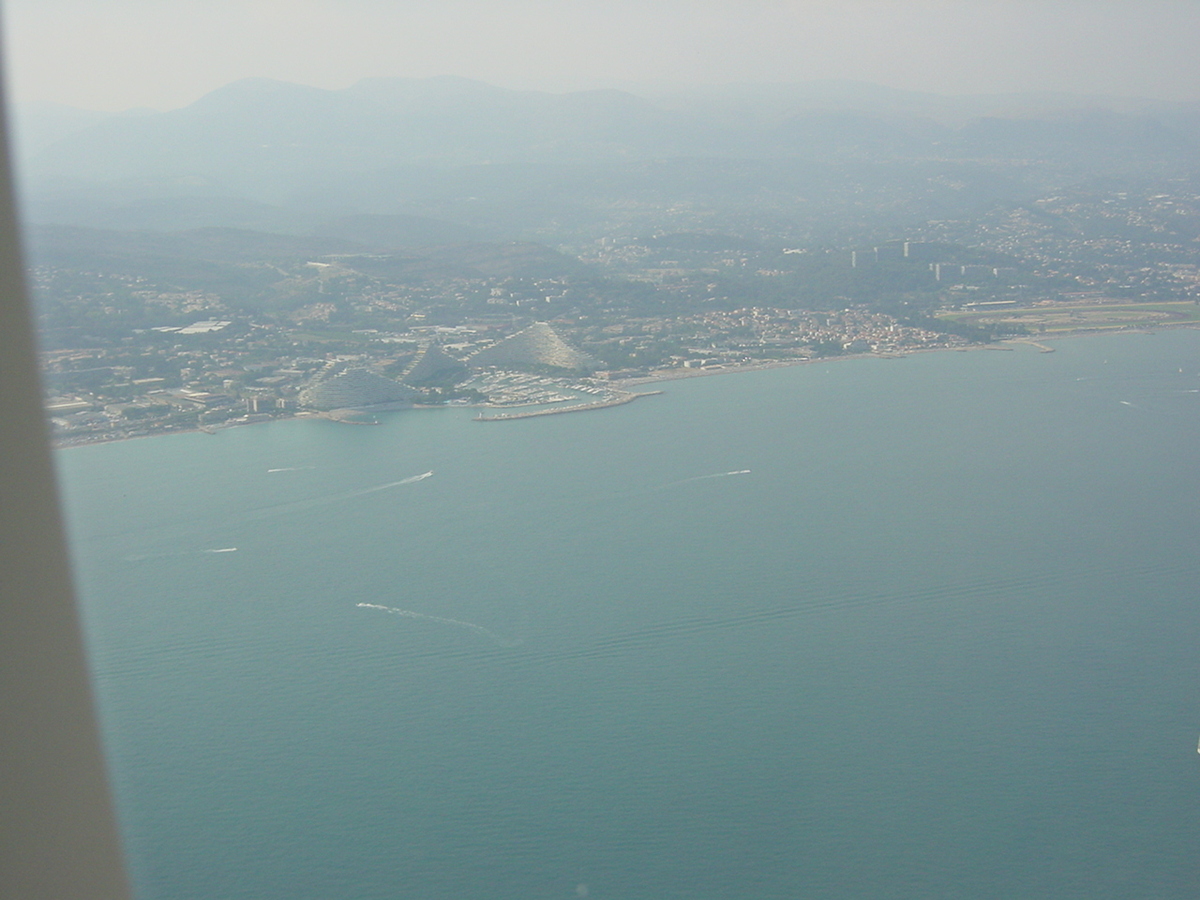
(130, 54)
(654, 91)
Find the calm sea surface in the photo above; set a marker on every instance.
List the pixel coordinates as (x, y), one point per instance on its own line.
(915, 628)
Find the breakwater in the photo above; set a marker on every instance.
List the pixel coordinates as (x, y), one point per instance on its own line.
(575, 407)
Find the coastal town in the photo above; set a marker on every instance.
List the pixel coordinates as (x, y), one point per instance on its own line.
(523, 327)
(225, 379)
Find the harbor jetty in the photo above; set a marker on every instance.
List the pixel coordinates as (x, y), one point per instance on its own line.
(1042, 348)
(573, 407)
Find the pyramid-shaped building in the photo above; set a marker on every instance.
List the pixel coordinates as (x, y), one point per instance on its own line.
(355, 387)
(432, 366)
(537, 345)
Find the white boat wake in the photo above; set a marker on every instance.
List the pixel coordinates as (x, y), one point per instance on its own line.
(470, 626)
(175, 554)
(705, 478)
(328, 499)
(412, 479)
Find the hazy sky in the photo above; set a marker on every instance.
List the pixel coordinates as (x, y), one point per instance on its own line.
(116, 54)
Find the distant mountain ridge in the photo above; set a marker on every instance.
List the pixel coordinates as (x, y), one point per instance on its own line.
(260, 131)
(453, 160)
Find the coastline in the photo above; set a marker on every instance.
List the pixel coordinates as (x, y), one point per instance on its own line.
(680, 373)
(1005, 344)
(624, 385)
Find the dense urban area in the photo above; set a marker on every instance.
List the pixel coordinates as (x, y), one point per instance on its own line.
(546, 284)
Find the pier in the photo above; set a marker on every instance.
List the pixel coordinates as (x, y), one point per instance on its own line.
(555, 410)
(1042, 348)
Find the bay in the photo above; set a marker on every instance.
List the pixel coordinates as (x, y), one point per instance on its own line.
(871, 628)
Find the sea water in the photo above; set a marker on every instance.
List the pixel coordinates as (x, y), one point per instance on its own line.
(904, 628)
